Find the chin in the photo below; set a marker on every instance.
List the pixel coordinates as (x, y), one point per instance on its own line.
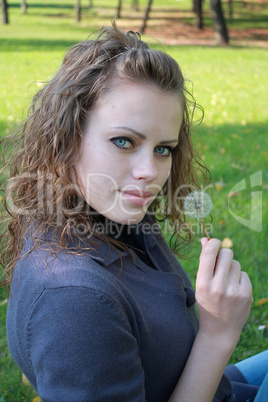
(126, 219)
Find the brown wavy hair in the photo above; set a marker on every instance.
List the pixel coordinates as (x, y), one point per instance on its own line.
(48, 145)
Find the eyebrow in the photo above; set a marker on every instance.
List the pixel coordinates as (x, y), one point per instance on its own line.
(143, 137)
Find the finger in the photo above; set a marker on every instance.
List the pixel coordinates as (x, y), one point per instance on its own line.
(235, 271)
(246, 283)
(204, 241)
(208, 258)
(223, 263)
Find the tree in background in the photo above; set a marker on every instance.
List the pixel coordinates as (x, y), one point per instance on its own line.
(4, 6)
(197, 8)
(221, 33)
(146, 15)
(23, 6)
(220, 28)
(230, 9)
(135, 5)
(78, 10)
(119, 7)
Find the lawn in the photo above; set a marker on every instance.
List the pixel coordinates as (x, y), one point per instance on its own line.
(231, 85)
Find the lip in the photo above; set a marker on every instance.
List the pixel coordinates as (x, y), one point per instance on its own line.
(138, 193)
(137, 197)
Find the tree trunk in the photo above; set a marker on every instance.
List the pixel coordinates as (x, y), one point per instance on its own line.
(119, 8)
(90, 4)
(146, 16)
(78, 10)
(135, 5)
(23, 6)
(197, 6)
(230, 9)
(4, 11)
(221, 32)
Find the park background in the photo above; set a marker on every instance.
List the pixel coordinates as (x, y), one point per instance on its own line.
(230, 82)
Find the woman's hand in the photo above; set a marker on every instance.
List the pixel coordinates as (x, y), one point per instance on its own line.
(224, 297)
(223, 293)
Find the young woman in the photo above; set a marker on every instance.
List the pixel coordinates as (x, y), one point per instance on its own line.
(100, 309)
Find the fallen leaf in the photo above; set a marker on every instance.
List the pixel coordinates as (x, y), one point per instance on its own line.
(218, 186)
(222, 150)
(37, 399)
(234, 194)
(25, 380)
(236, 166)
(221, 222)
(227, 243)
(3, 302)
(262, 301)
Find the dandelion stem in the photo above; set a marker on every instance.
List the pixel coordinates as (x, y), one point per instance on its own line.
(205, 229)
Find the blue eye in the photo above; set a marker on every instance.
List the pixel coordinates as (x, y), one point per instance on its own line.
(163, 151)
(122, 142)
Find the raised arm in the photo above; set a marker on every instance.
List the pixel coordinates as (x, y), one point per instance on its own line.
(224, 298)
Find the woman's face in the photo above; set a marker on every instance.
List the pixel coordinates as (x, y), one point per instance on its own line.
(126, 153)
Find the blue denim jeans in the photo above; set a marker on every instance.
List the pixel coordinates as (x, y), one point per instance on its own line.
(262, 395)
(250, 378)
(255, 371)
(255, 368)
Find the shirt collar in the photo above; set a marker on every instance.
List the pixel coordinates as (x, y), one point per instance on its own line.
(145, 231)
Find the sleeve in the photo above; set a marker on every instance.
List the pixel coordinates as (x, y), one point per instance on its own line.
(82, 348)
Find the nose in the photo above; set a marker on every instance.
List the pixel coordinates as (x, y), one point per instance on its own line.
(145, 168)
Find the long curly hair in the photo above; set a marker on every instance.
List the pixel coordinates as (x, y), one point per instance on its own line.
(43, 182)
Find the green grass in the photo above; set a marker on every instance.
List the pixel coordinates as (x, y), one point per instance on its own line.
(231, 85)
(11, 387)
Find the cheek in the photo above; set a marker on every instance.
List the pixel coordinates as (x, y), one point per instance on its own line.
(165, 170)
(164, 175)
(99, 184)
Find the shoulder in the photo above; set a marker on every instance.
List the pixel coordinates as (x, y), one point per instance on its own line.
(65, 285)
(63, 309)
(42, 269)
